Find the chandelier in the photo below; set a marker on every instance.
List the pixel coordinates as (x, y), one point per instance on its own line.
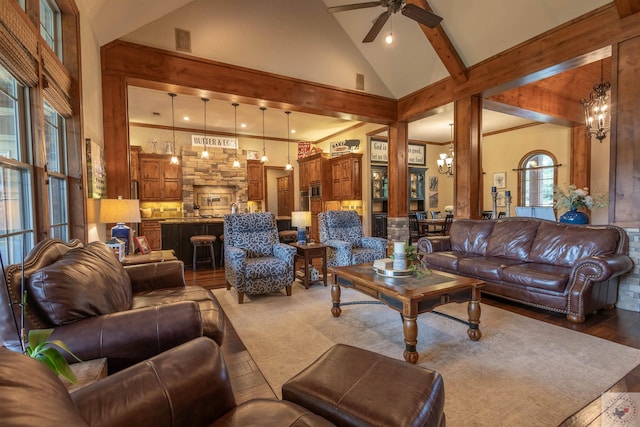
(445, 162)
(596, 110)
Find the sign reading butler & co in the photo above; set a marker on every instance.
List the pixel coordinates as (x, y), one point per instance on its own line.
(213, 141)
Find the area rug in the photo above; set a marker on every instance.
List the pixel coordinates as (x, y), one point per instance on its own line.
(522, 372)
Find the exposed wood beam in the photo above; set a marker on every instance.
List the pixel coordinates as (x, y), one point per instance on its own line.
(442, 45)
(532, 58)
(627, 7)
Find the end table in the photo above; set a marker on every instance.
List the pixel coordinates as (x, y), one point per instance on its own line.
(307, 253)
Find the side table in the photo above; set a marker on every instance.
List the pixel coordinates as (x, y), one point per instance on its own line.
(87, 373)
(307, 253)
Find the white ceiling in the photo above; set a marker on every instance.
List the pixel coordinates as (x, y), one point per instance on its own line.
(300, 39)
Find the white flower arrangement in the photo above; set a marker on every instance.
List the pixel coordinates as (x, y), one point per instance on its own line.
(576, 198)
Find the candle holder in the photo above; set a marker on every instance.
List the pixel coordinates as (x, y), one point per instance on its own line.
(494, 199)
(507, 200)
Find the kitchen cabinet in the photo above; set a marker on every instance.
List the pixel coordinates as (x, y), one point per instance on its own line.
(346, 177)
(159, 179)
(134, 163)
(304, 175)
(151, 230)
(255, 174)
(315, 170)
(315, 206)
(417, 189)
(175, 236)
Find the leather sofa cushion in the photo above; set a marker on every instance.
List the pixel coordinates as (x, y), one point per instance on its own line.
(564, 245)
(270, 412)
(84, 282)
(470, 236)
(489, 268)
(447, 260)
(512, 239)
(540, 276)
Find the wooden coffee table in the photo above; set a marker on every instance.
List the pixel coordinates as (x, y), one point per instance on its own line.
(411, 296)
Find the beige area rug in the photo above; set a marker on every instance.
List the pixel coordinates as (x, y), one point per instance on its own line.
(522, 372)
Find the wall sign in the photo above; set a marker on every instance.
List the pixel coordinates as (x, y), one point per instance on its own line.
(213, 141)
(415, 155)
(379, 151)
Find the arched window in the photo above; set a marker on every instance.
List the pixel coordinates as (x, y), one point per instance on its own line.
(537, 179)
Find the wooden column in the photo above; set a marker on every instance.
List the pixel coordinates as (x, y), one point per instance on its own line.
(624, 193)
(580, 172)
(398, 221)
(467, 159)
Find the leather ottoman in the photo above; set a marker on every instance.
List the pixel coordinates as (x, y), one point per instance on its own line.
(350, 386)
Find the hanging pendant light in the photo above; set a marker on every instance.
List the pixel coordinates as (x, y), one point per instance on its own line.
(445, 162)
(174, 157)
(596, 108)
(205, 153)
(236, 162)
(264, 158)
(288, 166)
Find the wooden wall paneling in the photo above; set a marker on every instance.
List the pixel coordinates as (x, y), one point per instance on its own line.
(624, 194)
(580, 168)
(467, 161)
(116, 135)
(398, 180)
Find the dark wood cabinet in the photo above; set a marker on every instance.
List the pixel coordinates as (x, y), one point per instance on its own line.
(175, 235)
(346, 177)
(159, 179)
(379, 228)
(255, 180)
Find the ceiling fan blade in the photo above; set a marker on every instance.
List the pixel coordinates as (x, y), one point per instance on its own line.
(377, 26)
(353, 6)
(421, 16)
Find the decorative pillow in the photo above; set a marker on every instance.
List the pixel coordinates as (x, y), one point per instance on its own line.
(85, 282)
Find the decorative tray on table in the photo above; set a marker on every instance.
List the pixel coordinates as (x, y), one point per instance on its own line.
(384, 267)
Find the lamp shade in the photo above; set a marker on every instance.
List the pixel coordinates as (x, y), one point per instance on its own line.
(301, 218)
(119, 210)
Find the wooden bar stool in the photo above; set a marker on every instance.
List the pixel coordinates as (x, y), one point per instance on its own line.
(203, 240)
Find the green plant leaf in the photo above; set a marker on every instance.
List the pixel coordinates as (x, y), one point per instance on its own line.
(49, 354)
(56, 362)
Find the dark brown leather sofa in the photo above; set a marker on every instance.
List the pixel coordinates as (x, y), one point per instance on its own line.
(571, 269)
(100, 308)
(189, 386)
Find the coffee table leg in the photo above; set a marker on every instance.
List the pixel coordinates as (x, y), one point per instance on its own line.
(410, 329)
(474, 315)
(335, 297)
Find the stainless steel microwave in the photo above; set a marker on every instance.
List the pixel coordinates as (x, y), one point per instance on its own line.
(315, 190)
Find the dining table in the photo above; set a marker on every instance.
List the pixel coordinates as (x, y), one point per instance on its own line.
(430, 226)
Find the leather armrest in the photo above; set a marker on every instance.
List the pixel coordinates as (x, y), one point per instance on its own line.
(130, 336)
(603, 267)
(427, 245)
(187, 385)
(156, 275)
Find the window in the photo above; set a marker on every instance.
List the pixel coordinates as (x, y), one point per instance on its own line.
(55, 143)
(16, 205)
(21, 3)
(50, 25)
(537, 179)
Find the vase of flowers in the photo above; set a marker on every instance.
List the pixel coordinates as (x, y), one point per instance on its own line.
(576, 200)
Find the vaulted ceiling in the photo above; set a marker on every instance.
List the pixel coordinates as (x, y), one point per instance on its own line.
(300, 39)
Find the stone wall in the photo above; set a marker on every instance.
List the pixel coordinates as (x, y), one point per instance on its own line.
(215, 174)
(629, 289)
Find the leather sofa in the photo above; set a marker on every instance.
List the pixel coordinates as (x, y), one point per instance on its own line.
(571, 269)
(189, 386)
(100, 308)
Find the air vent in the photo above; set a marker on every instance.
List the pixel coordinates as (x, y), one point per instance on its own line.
(183, 40)
(359, 81)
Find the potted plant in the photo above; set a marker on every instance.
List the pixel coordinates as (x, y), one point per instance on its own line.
(576, 200)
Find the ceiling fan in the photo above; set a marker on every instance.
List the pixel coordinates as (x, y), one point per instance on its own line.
(412, 11)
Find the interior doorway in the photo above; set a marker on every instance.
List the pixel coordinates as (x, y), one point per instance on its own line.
(278, 191)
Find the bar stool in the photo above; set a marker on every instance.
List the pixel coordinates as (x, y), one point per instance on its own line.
(199, 241)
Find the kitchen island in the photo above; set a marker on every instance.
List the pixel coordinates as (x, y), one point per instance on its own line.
(176, 233)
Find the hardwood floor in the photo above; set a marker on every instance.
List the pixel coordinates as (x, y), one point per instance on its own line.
(620, 326)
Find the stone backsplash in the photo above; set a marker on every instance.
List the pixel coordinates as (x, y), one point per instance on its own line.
(629, 288)
(213, 182)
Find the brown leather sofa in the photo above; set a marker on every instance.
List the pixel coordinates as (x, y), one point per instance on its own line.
(571, 269)
(189, 386)
(100, 308)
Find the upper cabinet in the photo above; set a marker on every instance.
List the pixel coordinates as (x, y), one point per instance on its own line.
(346, 177)
(255, 174)
(417, 189)
(159, 179)
(135, 163)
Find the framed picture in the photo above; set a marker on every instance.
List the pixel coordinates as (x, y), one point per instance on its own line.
(415, 155)
(500, 180)
(143, 245)
(501, 201)
(379, 151)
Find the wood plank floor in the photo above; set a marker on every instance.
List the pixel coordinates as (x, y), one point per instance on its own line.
(620, 326)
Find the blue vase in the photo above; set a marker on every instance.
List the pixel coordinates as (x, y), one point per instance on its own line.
(574, 216)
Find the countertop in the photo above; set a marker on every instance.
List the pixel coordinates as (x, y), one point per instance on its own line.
(196, 220)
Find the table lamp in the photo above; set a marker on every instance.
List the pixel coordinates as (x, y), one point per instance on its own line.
(302, 220)
(120, 211)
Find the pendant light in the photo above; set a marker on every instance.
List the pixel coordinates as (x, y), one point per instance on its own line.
(264, 158)
(445, 162)
(205, 153)
(174, 157)
(236, 162)
(288, 166)
(596, 108)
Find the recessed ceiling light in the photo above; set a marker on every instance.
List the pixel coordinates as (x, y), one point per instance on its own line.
(293, 131)
(186, 118)
(243, 125)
